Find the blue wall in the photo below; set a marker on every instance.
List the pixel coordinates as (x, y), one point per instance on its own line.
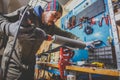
(99, 33)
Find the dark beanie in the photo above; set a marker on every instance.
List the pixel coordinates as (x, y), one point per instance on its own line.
(54, 6)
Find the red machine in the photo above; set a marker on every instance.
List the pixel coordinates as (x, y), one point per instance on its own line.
(65, 55)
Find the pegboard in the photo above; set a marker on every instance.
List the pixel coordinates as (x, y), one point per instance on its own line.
(100, 31)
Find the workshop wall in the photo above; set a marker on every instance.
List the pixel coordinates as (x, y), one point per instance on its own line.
(89, 21)
(100, 31)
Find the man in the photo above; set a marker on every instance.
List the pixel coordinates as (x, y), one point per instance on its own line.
(35, 23)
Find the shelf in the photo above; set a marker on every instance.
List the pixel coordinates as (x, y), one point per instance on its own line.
(107, 72)
(91, 70)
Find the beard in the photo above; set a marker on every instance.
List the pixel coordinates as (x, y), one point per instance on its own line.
(49, 23)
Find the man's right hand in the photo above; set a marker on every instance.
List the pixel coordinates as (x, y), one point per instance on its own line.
(93, 44)
(90, 45)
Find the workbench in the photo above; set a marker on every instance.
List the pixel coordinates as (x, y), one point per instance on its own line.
(90, 70)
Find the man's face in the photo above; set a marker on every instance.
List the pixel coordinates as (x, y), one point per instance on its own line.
(50, 17)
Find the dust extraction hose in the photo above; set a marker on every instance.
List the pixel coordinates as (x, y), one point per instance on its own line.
(68, 42)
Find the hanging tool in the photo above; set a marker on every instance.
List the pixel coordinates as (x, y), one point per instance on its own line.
(80, 26)
(100, 21)
(92, 21)
(71, 22)
(80, 23)
(88, 30)
(106, 18)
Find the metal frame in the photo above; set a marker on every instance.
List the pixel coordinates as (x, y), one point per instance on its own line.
(115, 35)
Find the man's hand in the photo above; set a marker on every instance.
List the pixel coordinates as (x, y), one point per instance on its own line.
(90, 45)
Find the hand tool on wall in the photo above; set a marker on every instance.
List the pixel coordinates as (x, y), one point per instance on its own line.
(92, 21)
(82, 21)
(107, 19)
(72, 22)
(87, 23)
(88, 30)
(101, 21)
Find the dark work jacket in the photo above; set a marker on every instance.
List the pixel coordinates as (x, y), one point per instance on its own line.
(28, 42)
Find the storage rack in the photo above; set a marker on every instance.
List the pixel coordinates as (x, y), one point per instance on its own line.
(104, 55)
